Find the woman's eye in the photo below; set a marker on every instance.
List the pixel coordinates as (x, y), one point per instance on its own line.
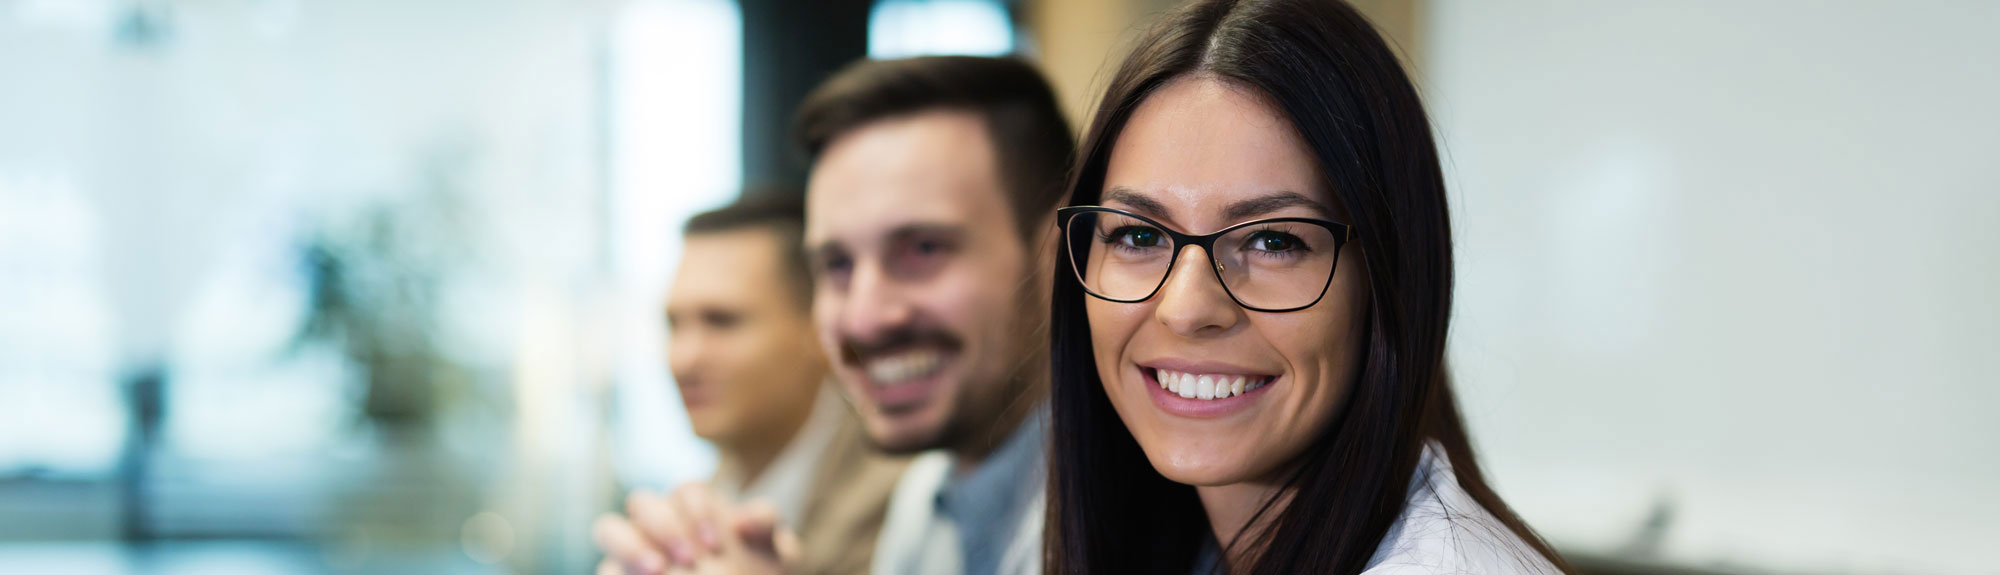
(1137, 237)
(1275, 242)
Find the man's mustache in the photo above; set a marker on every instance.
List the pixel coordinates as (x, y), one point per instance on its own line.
(854, 350)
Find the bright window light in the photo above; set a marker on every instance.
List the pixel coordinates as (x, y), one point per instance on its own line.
(61, 412)
(676, 91)
(905, 28)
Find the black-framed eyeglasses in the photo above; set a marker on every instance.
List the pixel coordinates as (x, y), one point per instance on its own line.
(1272, 265)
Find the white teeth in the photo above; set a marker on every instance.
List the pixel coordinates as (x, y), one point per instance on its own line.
(1207, 386)
(889, 371)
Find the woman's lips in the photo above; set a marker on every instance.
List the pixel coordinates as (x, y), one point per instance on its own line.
(1203, 394)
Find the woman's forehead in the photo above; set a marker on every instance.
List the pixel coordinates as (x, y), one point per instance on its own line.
(1203, 148)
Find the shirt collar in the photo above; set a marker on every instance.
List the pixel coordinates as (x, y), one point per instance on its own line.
(989, 499)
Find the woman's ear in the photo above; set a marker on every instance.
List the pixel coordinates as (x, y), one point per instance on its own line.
(1048, 246)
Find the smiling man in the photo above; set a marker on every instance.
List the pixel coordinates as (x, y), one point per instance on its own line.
(929, 230)
(929, 221)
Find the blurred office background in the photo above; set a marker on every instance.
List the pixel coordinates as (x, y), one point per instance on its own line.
(373, 286)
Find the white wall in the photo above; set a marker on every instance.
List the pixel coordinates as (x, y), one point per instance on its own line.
(1736, 258)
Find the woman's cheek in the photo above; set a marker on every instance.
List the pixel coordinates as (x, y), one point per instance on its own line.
(1110, 332)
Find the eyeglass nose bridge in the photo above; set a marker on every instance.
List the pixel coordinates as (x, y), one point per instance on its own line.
(1207, 244)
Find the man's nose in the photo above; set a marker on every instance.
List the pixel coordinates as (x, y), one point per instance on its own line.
(684, 354)
(875, 304)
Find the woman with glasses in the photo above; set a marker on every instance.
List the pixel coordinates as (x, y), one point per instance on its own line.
(1250, 316)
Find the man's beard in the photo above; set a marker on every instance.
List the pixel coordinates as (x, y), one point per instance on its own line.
(979, 405)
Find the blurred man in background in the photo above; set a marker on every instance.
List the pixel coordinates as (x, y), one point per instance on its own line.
(753, 379)
(929, 228)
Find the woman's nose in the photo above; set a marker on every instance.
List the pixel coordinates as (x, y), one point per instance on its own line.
(1193, 302)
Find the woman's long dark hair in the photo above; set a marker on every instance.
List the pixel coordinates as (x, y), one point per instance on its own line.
(1325, 68)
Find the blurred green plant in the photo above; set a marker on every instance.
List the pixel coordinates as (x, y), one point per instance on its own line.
(374, 282)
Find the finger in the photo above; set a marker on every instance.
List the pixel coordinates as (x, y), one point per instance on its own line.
(612, 567)
(785, 545)
(657, 519)
(758, 524)
(776, 542)
(704, 510)
(625, 549)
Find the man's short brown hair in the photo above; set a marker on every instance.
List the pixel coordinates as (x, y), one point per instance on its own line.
(1029, 134)
(779, 209)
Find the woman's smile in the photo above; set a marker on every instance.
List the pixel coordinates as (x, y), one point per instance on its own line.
(1203, 390)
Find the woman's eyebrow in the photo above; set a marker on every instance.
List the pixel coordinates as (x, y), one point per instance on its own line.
(1245, 209)
(1139, 203)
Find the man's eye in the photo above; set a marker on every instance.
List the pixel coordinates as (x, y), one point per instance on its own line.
(930, 246)
(831, 268)
(834, 264)
(920, 257)
(721, 319)
(926, 248)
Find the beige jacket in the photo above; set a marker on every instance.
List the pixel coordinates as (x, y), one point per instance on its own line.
(830, 485)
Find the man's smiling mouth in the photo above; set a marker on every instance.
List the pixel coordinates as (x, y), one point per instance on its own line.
(902, 367)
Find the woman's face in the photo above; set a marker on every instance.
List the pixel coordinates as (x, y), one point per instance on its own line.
(1200, 155)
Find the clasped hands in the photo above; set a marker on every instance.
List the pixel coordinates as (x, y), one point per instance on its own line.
(693, 531)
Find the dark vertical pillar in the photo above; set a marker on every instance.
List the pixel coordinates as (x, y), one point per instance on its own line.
(788, 47)
(146, 392)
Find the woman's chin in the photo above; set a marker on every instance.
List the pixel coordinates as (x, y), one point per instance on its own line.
(1199, 469)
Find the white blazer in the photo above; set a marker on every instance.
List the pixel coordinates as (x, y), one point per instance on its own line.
(1441, 531)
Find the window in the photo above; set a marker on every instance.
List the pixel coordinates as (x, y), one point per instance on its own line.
(904, 28)
(676, 89)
